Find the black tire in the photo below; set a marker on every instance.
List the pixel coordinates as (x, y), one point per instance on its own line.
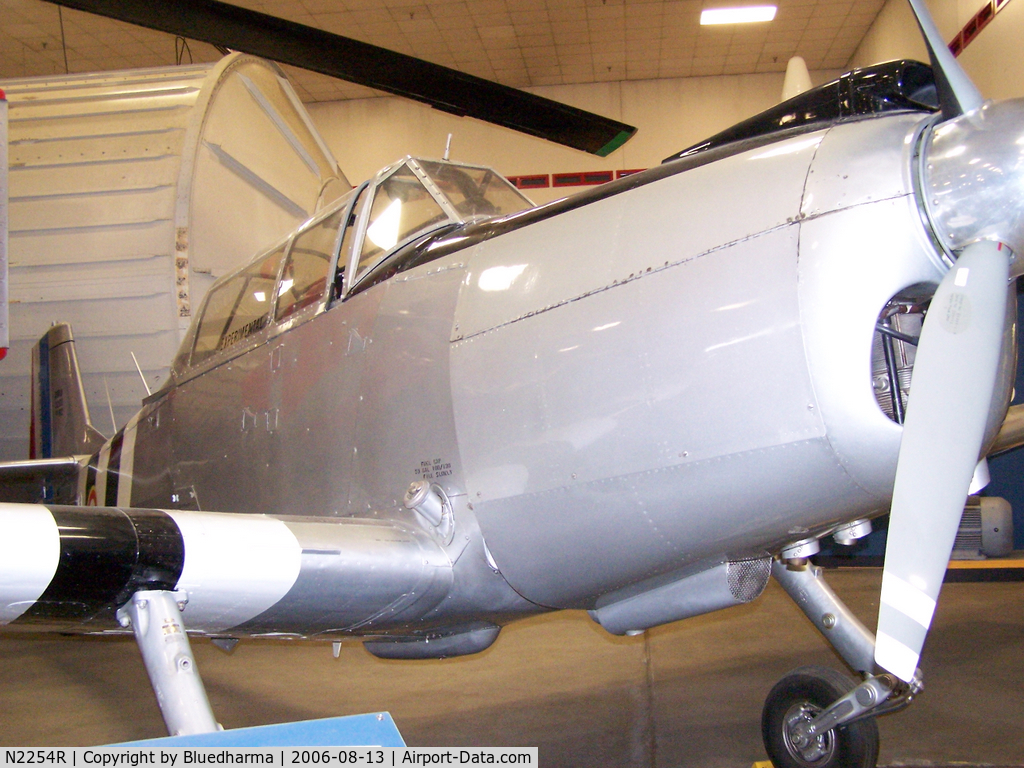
(803, 694)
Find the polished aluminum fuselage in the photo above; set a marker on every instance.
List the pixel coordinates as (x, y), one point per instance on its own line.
(654, 382)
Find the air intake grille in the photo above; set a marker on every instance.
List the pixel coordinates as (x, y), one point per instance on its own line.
(748, 578)
(968, 536)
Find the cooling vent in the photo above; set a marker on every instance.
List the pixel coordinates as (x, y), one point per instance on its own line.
(986, 529)
(968, 535)
(748, 578)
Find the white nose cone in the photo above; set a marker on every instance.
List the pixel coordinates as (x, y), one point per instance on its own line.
(798, 79)
(974, 177)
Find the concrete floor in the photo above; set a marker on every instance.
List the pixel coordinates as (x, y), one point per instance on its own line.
(689, 694)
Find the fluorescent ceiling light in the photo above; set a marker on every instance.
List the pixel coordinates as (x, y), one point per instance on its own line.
(737, 15)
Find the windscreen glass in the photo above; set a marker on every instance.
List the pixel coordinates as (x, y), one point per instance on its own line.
(401, 207)
(475, 191)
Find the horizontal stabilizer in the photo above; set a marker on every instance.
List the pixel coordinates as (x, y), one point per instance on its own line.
(28, 482)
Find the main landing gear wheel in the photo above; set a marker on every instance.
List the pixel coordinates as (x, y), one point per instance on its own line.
(800, 697)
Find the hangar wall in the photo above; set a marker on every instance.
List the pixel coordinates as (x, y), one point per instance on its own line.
(992, 60)
(671, 114)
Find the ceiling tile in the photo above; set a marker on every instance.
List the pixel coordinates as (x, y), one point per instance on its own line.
(445, 10)
(538, 60)
(573, 49)
(818, 34)
(611, 12)
(515, 6)
(519, 42)
(460, 23)
(644, 36)
(707, 68)
(487, 7)
(563, 12)
(529, 42)
(652, 10)
(562, 29)
(529, 18)
(370, 16)
(833, 25)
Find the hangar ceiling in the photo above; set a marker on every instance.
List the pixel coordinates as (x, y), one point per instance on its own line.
(519, 43)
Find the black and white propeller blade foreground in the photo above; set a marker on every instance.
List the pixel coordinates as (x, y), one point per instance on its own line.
(954, 376)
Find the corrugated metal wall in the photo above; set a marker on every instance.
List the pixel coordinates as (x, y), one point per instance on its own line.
(129, 193)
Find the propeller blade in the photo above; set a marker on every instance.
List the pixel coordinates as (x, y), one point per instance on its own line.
(449, 90)
(957, 94)
(950, 397)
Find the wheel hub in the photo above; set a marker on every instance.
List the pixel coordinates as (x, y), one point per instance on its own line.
(807, 751)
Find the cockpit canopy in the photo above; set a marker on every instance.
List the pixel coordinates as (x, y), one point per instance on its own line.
(340, 251)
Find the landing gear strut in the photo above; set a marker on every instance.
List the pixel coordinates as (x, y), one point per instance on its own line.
(815, 717)
(155, 618)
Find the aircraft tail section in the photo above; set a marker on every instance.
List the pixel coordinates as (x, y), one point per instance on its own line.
(60, 415)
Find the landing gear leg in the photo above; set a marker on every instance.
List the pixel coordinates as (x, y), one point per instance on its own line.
(155, 618)
(854, 642)
(815, 717)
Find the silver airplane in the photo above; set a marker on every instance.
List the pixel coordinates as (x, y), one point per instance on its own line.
(434, 408)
